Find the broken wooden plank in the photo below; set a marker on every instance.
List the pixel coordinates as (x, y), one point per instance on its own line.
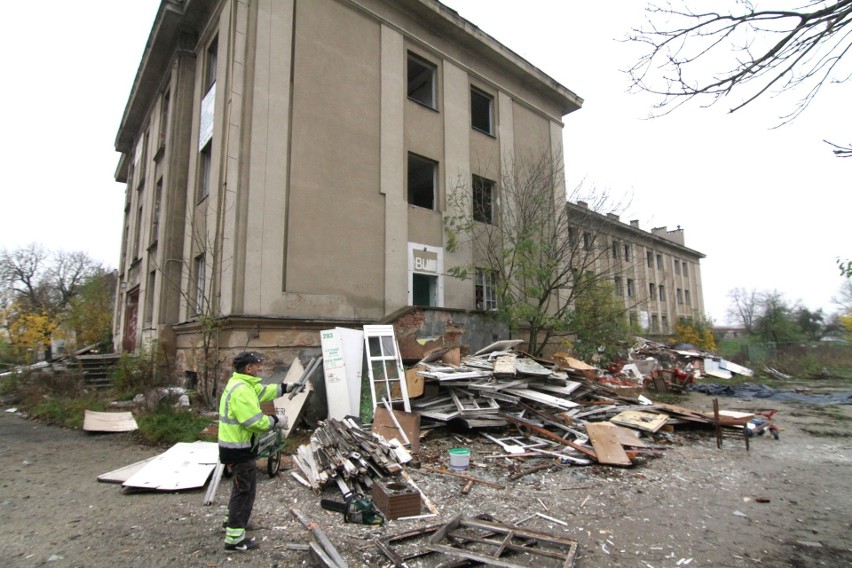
(109, 421)
(606, 445)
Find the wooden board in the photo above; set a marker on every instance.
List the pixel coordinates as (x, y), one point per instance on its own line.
(183, 466)
(627, 437)
(605, 441)
(122, 474)
(292, 408)
(410, 422)
(645, 421)
(109, 422)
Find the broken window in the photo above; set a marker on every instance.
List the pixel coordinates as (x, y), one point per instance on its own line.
(651, 291)
(481, 111)
(662, 290)
(685, 272)
(486, 290)
(677, 266)
(424, 289)
(650, 256)
(615, 250)
(587, 241)
(199, 266)
(572, 236)
(149, 296)
(619, 291)
(679, 296)
(205, 159)
(483, 200)
(628, 255)
(629, 287)
(421, 181)
(210, 65)
(686, 294)
(659, 262)
(421, 81)
(155, 211)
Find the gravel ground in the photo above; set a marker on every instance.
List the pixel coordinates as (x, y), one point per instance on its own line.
(784, 503)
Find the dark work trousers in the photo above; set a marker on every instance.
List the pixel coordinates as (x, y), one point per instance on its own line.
(242, 494)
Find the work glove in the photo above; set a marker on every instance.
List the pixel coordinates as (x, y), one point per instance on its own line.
(291, 387)
(279, 423)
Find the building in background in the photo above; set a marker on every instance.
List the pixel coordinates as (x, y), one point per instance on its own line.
(655, 273)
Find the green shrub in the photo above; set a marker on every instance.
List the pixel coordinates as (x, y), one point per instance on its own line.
(136, 373)
(168, 425)
(65, 412)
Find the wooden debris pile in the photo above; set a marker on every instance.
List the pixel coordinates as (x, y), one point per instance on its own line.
(341, 451)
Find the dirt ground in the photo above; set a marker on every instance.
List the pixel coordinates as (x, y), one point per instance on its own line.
(784, 503)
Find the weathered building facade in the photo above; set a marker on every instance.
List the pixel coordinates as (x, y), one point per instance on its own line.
(288, 162)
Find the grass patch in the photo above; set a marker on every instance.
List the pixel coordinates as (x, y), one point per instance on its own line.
(674, 398)
(67, 413)
(166, 426)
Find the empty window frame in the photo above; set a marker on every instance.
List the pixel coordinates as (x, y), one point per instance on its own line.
(483, 200)
(686, 297)
(485, 290)
(679, 296)
(421, 81)
(676, 266)
(164, 119)
(628, 253)
(619, 287)
(662, 290)
(665, 323)
(655, 323)
(384, 364)
(629, 287)
(587, 241)
(210, 65)
(199, 266)
(659, 262)
(149, 296)
(205, 160)
(652, 291)
(650, 257)
(422, 176)
(615, 250)
(155, 211)
(481, 111)
(685, 271)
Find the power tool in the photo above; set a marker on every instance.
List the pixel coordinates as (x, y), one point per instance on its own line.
(356, 509)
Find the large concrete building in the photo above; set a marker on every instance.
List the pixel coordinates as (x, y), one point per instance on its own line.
(288, 165)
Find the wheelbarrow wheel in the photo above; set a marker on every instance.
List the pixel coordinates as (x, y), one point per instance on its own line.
(273, 462)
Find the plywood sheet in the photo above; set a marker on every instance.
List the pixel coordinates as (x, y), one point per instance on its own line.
(605, 441)
(292, 408)
(646, 421)
(122, 474)
(627, 437)
(410, 422)
(183, 466)
(109, 421)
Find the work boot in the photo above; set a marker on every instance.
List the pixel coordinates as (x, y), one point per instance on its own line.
(243, 545)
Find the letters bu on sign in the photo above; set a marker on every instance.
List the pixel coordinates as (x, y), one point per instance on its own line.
(425, 261)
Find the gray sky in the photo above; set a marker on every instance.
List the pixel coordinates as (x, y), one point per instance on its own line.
(769, 208)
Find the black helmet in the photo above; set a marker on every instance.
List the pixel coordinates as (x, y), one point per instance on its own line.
(245, 359)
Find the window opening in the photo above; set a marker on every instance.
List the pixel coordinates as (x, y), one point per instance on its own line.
(421, 81)
(481, 111)
(421, 181)
(483, 200)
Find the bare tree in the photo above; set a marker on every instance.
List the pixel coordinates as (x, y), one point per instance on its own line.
(751, 52)
(539, 252)
(844, 296)
(745, 307)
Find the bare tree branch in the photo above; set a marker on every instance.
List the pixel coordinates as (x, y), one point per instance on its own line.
(752, 52)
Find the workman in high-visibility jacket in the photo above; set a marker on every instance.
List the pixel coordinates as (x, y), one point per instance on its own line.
(241, 425)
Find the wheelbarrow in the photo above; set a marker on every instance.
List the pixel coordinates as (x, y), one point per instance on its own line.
(271, 447)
